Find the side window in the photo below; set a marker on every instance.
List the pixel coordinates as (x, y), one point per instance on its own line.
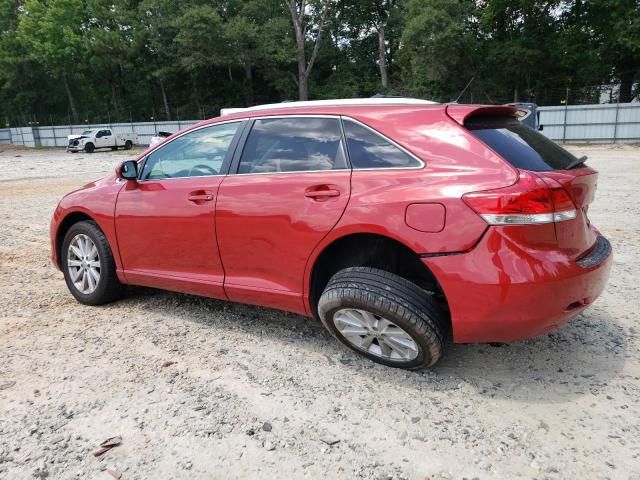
(295, 144)
(106, 133)
(194, 154)
(367, 149)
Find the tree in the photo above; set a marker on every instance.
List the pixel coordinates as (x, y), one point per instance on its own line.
(363, 18)
(154, 36)
(100, 60)
(439, 47)
(54, 33)
(303, 16)
(253, 34)
(616, 27)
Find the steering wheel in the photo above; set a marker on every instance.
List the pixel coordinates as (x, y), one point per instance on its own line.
(203, 170)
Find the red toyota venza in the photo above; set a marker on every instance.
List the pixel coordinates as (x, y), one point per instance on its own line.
(398, 223)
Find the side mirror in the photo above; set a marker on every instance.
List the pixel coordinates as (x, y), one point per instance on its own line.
(128, 170)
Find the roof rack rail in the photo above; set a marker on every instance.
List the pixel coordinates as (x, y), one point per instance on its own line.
(331, 103)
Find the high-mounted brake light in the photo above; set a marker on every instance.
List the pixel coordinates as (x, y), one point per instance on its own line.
(531, 200)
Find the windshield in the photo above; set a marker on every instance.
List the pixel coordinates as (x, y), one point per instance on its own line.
(520, 145)
(87, 132)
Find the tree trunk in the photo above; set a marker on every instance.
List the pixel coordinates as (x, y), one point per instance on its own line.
(72, 102)
(249, 89)
(303, 87)
(625, 94)
(165, 101)
(303, 90)
(382, 57)
(114, 99)
(196, 96)
(299, 27)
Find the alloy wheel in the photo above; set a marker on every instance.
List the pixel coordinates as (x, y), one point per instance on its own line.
(83, 263)
(375, 335)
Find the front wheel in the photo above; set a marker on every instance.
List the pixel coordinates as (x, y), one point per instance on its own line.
(88, 265)
(89, 147)
(384, 317)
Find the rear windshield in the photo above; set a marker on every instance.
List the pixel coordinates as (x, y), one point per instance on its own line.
(521, 146)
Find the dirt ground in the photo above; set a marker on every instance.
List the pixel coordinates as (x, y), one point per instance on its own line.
(255, 393)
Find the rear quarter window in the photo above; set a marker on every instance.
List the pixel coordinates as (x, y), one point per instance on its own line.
(368, 149)
(520, 145)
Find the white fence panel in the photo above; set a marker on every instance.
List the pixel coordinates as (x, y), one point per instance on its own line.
(608, 123)
(56, 136)
(5, 136)
(23, 136)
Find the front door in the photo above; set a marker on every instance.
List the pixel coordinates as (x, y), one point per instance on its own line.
(291, 187)
(104, 138)
(165, 221)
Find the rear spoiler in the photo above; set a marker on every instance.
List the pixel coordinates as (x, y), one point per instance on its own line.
(462, 113)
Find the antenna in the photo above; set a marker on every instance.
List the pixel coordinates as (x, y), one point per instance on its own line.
(464, 89)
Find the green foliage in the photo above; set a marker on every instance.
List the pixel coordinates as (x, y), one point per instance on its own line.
(438, 54)
(116, 60)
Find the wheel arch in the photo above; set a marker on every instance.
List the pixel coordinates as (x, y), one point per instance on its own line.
(368, 249)
(63, 227)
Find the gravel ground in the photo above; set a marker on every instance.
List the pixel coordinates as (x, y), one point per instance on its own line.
(256, 393)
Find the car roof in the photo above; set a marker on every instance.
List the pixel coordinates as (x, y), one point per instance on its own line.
(358, 108)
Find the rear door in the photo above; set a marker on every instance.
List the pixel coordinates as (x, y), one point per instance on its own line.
(526, 149)
(290, 188)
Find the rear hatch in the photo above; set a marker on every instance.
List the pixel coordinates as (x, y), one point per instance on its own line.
(534, 155)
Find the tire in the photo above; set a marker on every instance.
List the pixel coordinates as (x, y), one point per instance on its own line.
(128, 145)
(89, 147)
(107, 288)
(379, 295)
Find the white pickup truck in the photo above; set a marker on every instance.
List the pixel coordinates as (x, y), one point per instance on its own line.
(89, 140)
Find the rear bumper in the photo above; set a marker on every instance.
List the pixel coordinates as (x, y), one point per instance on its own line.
(502, 291)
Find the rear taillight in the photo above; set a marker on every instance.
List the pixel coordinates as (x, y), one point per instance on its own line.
(530, 200)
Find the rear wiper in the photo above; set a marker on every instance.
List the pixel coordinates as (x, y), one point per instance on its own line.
(576, 162)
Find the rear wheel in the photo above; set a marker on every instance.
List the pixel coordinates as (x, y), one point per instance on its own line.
(88, 265)
(128, 145)
(384, 317)
(89, 147)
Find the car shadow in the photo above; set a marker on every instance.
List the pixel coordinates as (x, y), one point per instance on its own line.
(580, 358)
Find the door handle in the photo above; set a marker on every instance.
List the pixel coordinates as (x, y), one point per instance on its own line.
(332, 192)
(200, 197)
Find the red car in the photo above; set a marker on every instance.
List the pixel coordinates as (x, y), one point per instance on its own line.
(398, 223)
